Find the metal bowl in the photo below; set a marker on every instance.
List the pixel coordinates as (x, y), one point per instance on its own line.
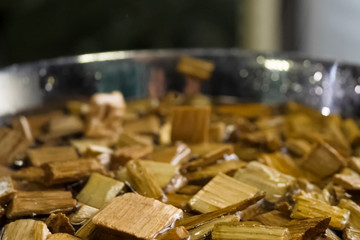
(330, 86)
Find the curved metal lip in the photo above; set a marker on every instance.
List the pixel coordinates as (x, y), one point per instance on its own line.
(163, 53)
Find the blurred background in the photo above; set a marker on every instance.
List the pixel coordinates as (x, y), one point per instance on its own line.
(39, 29)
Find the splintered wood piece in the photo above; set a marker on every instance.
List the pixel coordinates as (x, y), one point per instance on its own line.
(217, 132)
(59, 223)
(351, 234)
(131, 139)
(273, 218)
(143, 181)
(32, 174)
(323, 160)
(40, 156)
(40, 203)
(306, 207)
(197, 220)
(298, 146)
(106, 113)
(354, 164)
(12, 143)
(62, 126)
(213, 170)
(229, 231)
(26, 229)
(354, 212)
(69, 171)
(348, 179)
(22, 125)
(307, 228)
(252, 110)
(270, 138)
(178, 200)
(81, 145)
(62, 236)
(196, 68)
(175, 155)
(222, 191)
(204, 230)
(122, 155)
(178, 233)
(267, 179)
(189, 190)
(163, 172)
(83, 214)
(99, 190)
(7, 190)
(134, 215)
(208, 154)
(147, 125)
(190, 124)
(281, 162)
(351, 130)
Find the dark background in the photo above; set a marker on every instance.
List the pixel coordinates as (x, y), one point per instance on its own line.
(39, 29)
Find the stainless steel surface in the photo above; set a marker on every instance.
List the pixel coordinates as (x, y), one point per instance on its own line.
(331, 87)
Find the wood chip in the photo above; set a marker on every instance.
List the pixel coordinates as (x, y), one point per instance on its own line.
(323, 160)
(197, 68)
(133, 220)
(163, 172)
(143, 181)
(62, 126)
(7, 190)
(84, 213)
(128, 139)
(273, 218)
(105, 115)
(122, 155)
(308, 228)
(190, 124)
(208, 154)
(269, 180)
(178, 233)
(224, 231)
(306, 207)
(189, 189)
(26, 229)
(81, 145)
(269, 138)
(330, 235)
(32, 174)
(59, 223)
(22, 125)
(40, 156)
(351, 130)
(178, 200)
(175, 155)
(204, 230)
(213, 170)
(351, 234)
(38, 121)
(348, 179)
(197, 220)
(99, 190)
(281, 162)
(40, 203)
(62, 236)
(70, 171)
(297, 146)
(354, 212)
(147, 125)
(12, 143)
(222, 191)
(217, 132)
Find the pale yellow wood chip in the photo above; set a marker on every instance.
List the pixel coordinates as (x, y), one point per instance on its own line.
(137, 216)
(26, 229)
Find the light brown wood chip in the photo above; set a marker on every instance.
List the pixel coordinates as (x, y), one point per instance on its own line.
(134, 215)
(26, 229)
(40, 156)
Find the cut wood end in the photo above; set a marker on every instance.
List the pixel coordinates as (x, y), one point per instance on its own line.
(26, 229)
